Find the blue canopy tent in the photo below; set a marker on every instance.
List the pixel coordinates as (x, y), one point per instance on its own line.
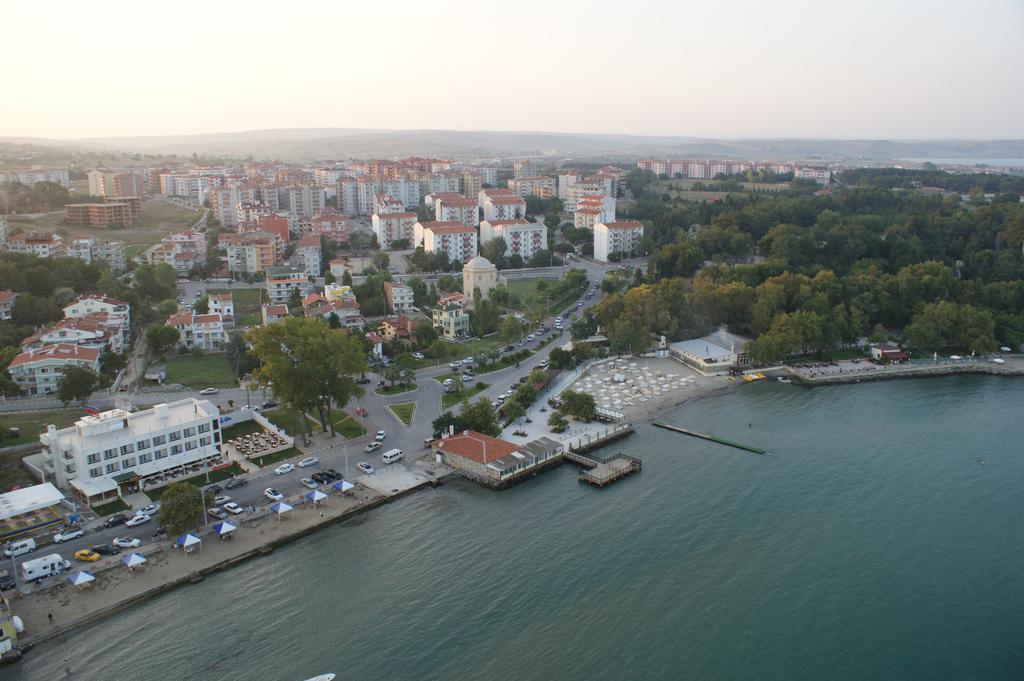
(189, 542)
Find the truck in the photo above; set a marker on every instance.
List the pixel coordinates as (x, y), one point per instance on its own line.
(47, 566)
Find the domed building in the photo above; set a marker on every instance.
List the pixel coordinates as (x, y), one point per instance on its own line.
(479, 273)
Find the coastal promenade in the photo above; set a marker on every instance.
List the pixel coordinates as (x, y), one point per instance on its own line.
(848, 372)
(167, 567)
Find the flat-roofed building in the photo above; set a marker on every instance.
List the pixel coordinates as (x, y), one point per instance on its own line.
(453, 238)
(522, 237)
(392, 227)
(399, 297)
(622, 237)
(281, 281)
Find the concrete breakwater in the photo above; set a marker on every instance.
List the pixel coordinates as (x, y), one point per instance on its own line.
(859, 373)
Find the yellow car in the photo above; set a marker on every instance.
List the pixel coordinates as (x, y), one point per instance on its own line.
(87, 555)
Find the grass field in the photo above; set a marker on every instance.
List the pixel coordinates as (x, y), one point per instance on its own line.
(159, 218)
(247, 305)
(530, 297)
(289, 420)
(110, 508)
(210, 370)
(31, 424)
(403, 411)
(449, 400)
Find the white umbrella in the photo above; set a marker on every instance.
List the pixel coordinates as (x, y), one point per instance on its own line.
(316, 496)
(80, 578)
(133, 560)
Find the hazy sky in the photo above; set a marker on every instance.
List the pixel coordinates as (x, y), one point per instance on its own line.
(868, 69)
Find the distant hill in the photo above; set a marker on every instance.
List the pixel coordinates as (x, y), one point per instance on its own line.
(305, 145)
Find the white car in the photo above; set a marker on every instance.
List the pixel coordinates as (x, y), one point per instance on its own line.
(68, 535)
(309, 483)
(380, 436)
(455, 365)
(284, 468)
(468, 360)
(127, 542)
(232, 507)
(365, 467)
(208, 391)
(273, 494)
(531, 338)
(417, 355)
(148, 510)
(139, 519)
(372, 447)
(221, 500)
(309, 461)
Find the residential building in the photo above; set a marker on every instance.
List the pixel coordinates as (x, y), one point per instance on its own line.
(540, 186)
(227, 203)
(93, 250)
(587, 187)
(346, 309)
(522, 238)
(593, 209)
(117, 310)
(30, 177)
(251, 253)
(38, 371)
(617, 237)
(273, 313)
(453, 238)
(456, 208)
(503, 207)
(281, 281)
(276, 223)
(566, 180)
(488, 175)
(305, 200)
(117, 452)
(7, 299)
(523, 169)
(222, 304)
(308, 254)
(491, 461)
(124, 182)
(39, 244)
(450, 321)
(452, 298)
(202, 331)
(115, 215)
(384, 204)
(479, 274)
(94, 330)
(398, 328)
(184, 251)
(818, 174)
(399, 297)
(392, 227)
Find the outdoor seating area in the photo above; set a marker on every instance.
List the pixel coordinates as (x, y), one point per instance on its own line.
(259, 443)
(183, 471)
(620, 383)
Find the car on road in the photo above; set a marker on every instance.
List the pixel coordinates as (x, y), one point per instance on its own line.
(106, 550)
(418, 355)
(468, 360)
(335, 475)
(365, 467)
(127, 542)
(208, 391)
(87, 555)
(148, 510)
(284, 468)
(217, 513)
(380, 436)
(362, 380)
(137, 520)
(116, 519)
(531, 338)
(372, 447)
(361, 412)
(309, 461)
(68, 535)
(221, 500)
(233, 508)
(235, 483)
(269, 404)
(309, 483)
(455, 365)
(273, 494)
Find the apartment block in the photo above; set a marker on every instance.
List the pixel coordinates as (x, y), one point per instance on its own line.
(308, 254)
(281, 281)
(522, 238)
(93, 250)
(100, 215)
(617, 237)
(543, 187)
(399, 297)
(202, 331)
(456, 208)
(393, 227)
(38, 371)
(453, 238)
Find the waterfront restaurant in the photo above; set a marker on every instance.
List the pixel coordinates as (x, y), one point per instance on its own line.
(490, 461)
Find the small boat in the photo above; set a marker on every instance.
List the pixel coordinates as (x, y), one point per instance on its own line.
(784, 379)
(322, 677)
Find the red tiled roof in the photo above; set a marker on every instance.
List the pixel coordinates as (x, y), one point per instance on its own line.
(476, 447)
(56, 351)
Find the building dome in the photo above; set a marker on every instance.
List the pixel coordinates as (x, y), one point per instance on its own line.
(479, 263)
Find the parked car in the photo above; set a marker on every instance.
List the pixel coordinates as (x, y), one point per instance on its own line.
(235, 483)
(372, 447)
(361, 412)
(87, 555)
(233, 508)
(269, 404)
(417, 355)
(284, 468)
(335, 475)
(6, 581)
(137, 520)
(362, 380)
(531, 338)
(468, 360)
(106, 550)
(309, 483)
(221, 500)
(217, 513)
(116, 519)
(309, 461)
(127, 542)
(68, 535)
(365, 467)
(455, 365)
(208, 391)
(273, 494)
(380, 436)
(321, 477)
(148, 510)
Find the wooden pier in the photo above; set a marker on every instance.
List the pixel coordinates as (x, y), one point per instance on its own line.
(711, 438)
(600, 472)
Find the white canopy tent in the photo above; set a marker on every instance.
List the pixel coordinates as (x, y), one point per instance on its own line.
(316, 496)
(133, 561)
(223, 528)
(81, 578)
(280, 508)
(189, 542)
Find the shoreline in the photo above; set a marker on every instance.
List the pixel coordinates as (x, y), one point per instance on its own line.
(1014, 367)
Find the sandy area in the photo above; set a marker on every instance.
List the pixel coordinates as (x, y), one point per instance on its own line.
(644, 388)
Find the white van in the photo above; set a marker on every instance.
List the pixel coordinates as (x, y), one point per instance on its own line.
(19, 547)
(391, 456)
(47, 566)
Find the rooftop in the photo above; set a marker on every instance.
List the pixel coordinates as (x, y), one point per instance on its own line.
(475, 446)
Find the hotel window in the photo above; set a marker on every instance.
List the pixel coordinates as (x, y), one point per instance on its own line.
(127, 449)
(189, 432)
(175, 449)
(203, 441)
(204, 427)
(95, 472)
(128, 463)
(175, 436)
(93, 458)
(113, 467)
(142, 444)
(190, 445)
(145, 458)
(160, 454)
(109, 453)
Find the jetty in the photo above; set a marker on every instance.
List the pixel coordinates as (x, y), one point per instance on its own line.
(711, 438)
(599, 471)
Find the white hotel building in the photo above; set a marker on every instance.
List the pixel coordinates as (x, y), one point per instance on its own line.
(116, 451)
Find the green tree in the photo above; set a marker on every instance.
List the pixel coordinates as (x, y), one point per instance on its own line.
(201, 306)
(441, 423)
(76, 384)
(513, 411)
(166, 308)
(295, 300)
(406, 366)
(8, 388)
(381, 261)
(480, 416)
(557, 422)
(560, 359)
(512, 329)
(161, 338)
(181, 507)
(578, 404)
(494, 250)
(425, 333)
